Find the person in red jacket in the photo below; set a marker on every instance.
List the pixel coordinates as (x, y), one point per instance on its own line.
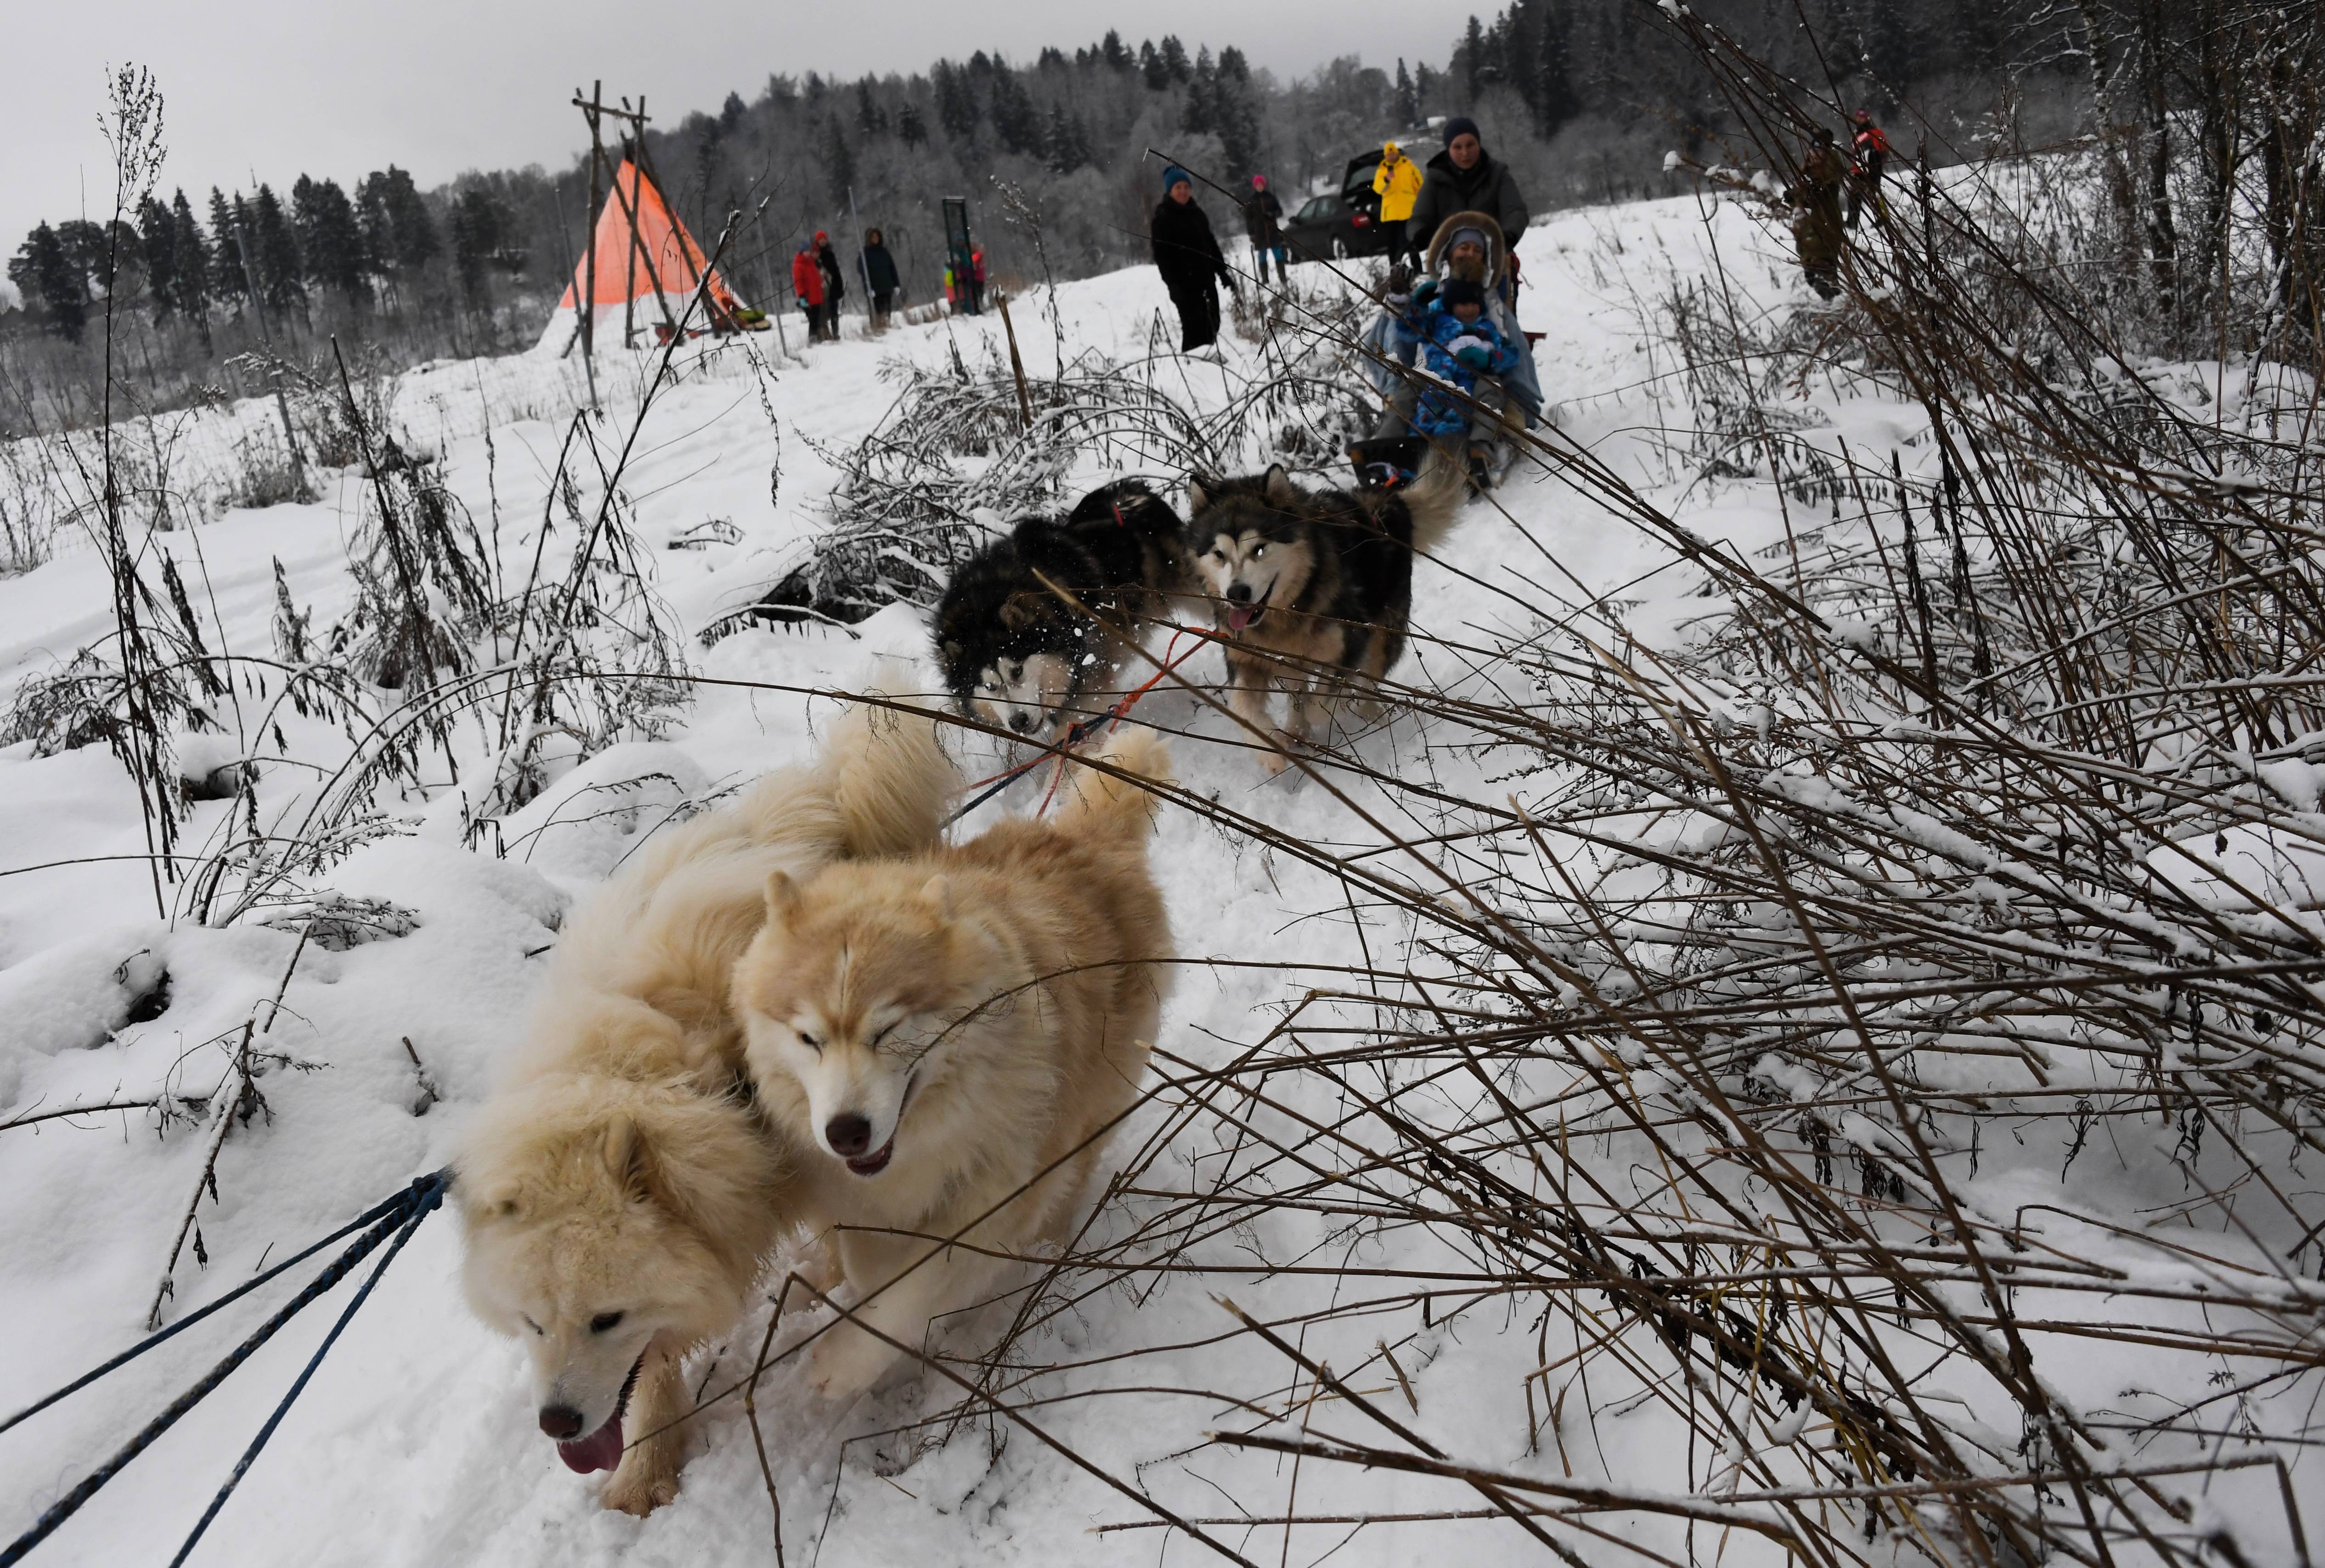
(807, 282)
(1868, 152)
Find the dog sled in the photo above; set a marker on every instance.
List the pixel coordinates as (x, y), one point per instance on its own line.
(1394, 369)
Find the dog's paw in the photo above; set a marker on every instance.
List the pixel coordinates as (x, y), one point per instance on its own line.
(641, 1488)
(844, 1363)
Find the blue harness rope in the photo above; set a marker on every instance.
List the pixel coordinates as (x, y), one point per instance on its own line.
(1075, 734)
(399, 1216)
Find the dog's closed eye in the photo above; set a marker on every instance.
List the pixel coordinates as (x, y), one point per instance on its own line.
(528, 1322)
(605, 1322)
(808, 1040)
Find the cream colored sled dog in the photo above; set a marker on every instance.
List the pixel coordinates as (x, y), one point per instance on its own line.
(619, 1195)
(945, 1037)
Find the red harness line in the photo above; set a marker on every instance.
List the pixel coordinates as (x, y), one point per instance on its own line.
(1083, 729)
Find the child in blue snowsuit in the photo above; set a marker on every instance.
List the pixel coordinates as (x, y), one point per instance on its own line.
(1458, 343)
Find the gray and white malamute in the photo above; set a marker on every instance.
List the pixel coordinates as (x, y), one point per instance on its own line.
(1311, 590)
(1023, 632)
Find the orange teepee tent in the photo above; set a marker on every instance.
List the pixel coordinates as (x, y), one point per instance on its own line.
(641, 272)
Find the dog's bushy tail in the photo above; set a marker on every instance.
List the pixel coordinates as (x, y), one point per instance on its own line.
(889, 781)
(1104, 804)
(1435, 499)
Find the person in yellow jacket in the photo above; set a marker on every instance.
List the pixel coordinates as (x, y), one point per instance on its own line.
(1397, 183)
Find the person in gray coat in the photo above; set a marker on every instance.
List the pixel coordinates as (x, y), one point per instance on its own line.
(1465, 178)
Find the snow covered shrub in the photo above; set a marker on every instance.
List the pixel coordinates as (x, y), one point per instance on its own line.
(32, 507)
(589, 655)
(955, 442)
(423, 583)
(1879, 994)
(262, 473)
(1889, 987)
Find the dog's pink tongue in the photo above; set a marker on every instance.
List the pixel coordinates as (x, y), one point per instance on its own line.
(1240, 617)
(601, 1450)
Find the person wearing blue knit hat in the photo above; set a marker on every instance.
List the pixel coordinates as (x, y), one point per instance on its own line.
(1187, 254)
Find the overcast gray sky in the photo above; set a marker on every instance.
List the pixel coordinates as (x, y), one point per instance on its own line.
(272, 89)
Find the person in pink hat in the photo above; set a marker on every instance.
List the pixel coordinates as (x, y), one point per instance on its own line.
(1263, 220)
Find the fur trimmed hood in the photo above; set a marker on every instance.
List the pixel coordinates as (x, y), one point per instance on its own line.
(1497, 248)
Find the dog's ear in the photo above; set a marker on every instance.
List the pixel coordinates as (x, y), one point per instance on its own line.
(631, 1157)
(1280, 488)
(938, 890)
(782, 896)
(1199, 490)
(625, 1152)
(952, 652)
(1016, 613)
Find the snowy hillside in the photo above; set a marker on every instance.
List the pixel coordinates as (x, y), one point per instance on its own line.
(1302, 907)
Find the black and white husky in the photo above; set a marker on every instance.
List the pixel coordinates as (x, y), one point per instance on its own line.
(1031, 633)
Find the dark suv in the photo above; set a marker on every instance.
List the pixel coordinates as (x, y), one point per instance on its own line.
(1344, 224)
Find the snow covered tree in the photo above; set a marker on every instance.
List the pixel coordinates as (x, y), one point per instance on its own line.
(871, 119)
(330, 244)
(1065, 145)
(1114, 53)
(477, 235)
(1201, 112)
(51, 282)
(190, 254)
(1175, 60)
(157, 239)
(1016, 120)
(956, 109)
(408, 222)
(1407, 103)
(1469, 58)
(274, 252)
(228, 282)
(909, 127)
(1151, 66)
(839, 162)
(1427, 87)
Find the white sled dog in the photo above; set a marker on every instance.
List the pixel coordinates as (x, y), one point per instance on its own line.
(619, 1195)
(942, 1031)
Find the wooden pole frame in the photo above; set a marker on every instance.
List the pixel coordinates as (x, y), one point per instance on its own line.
(590, 112)
(595, 110)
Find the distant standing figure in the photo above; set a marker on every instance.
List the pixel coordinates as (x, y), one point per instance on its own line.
(977, 280)
(1187, 256)
(1397, 183)
(835, 281)
(1263, 220)
(956, 282)
(807, 282)
(1465, 178)
(1871, 151)
(880, 275)
(1816, 227)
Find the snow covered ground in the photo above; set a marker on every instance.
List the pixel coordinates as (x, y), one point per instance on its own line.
(415, 1443)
